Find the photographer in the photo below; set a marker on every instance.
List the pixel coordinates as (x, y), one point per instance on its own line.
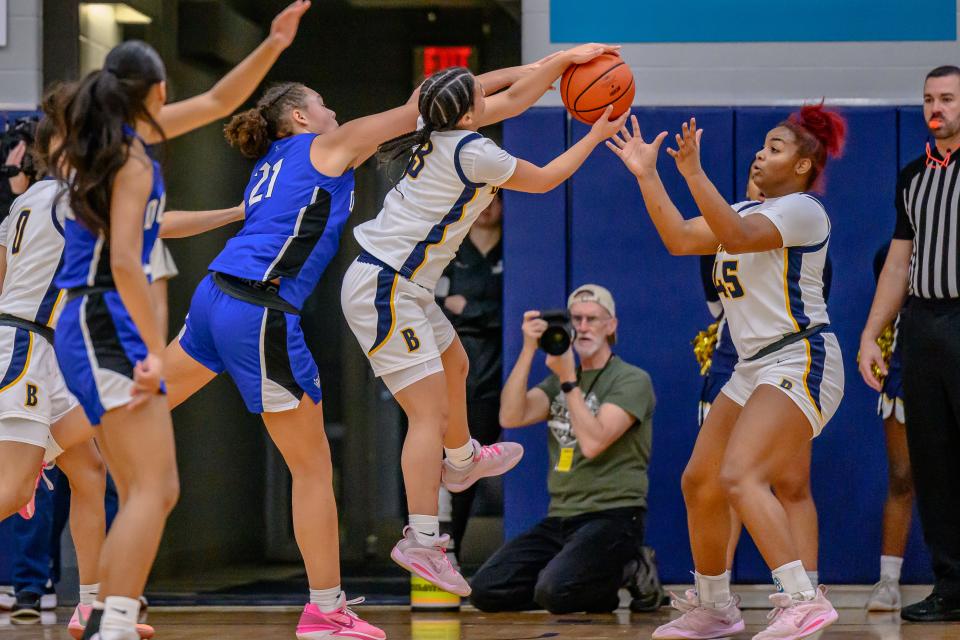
(17, 172)
(600, 420)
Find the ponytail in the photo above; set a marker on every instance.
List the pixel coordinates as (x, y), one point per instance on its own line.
(254, 130)
(95, 145)
(821, 134)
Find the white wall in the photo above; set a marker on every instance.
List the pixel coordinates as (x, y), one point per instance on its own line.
(21, 61)
(761, 73)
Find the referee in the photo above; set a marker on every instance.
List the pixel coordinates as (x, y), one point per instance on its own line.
(924, 264)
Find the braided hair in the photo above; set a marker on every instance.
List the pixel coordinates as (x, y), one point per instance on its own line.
(445, 98)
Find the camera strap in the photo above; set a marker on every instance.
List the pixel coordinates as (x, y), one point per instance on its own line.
(595, 380)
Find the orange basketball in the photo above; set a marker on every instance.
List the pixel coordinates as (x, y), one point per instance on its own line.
(586, 89)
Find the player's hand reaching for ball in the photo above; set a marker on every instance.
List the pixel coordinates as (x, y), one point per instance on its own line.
(639, 156)
(604, 128)
(587, 52)
(284, 27)
(687, 153)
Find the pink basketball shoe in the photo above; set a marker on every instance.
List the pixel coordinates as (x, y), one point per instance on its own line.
(493, 460)
(342, 623)
(701, 623)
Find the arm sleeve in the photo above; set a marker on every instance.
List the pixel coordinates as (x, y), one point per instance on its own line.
(484, 162)
(633, 392)
(800, 219)
(550, 386)
(903, 229)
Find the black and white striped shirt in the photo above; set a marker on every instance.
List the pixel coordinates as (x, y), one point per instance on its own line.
(928, 213)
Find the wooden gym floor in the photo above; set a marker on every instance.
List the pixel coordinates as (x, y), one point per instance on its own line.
(399, 624)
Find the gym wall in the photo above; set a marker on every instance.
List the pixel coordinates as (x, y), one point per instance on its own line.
(748, 52)
(595, 229)
(20, 59)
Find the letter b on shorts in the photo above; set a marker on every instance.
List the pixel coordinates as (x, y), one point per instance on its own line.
(410, 337)
(31, 400)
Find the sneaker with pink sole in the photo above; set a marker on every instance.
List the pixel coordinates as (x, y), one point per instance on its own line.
(341, 623)
(493, 460)
(429, 562)
(82, 613)
(701, 623)
(795, 619)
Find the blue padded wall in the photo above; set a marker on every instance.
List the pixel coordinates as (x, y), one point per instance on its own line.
(535, 259)
(611, 241)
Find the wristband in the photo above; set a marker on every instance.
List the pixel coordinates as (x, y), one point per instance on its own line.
(567, 387)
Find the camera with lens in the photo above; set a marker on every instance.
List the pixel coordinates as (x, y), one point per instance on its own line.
(559, 333)
(20, 130)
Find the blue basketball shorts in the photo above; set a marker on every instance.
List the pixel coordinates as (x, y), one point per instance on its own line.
(262, 349)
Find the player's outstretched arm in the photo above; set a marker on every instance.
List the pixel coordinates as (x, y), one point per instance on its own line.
(681, 237)
(182, 224)
(233, 89)
(523, 93)
(737, 234)
(530, 178)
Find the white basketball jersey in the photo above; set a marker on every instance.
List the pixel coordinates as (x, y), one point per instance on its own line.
(448, 182)
(770, 294)
(32, 238)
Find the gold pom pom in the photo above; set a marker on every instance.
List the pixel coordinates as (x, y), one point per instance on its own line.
(703, 346)
(885, 342)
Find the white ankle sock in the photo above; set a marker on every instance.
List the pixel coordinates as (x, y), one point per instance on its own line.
(52, 451)
(814, 578)
(426, 529)
(88, 593)
(713, 591)
(327, 600)
(461, 457)
(793, 580)
(890, 567)
(119, 618)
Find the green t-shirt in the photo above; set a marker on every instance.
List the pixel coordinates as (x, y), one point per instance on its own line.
(617, 477)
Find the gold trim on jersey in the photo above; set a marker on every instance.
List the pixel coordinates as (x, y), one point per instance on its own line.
(426, 250)
(786, 299)
(56, 304)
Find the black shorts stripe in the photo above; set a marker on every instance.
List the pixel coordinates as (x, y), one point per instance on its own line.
(275, 355)
(312, 226)
(107, 348)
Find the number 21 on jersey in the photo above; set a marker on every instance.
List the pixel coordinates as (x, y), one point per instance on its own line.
(269, 171)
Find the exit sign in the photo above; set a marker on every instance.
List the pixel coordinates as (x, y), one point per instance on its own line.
(428, 60)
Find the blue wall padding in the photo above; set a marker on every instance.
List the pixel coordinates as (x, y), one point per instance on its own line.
(535, 239)
(611, 241)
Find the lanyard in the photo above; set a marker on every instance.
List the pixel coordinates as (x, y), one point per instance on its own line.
(594, 383)
(936, 163)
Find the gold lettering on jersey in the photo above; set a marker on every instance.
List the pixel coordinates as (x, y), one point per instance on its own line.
(19, 230)
(726, 280)
(410, 337)
(32, 399)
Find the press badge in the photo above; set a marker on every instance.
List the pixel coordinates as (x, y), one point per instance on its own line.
(565, 463)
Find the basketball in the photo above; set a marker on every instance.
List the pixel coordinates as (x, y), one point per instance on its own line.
(586, 89)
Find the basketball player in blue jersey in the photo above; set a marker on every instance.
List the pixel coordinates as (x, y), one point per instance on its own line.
(107, 342)
(34, 401)
(387, 293)
(245, 316)
(788, 381)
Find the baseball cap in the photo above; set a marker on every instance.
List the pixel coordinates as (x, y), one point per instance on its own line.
(594, 293)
